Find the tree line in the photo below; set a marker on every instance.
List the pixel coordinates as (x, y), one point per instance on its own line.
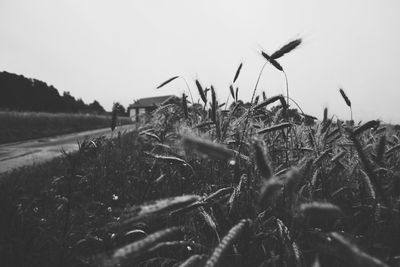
(24, 94)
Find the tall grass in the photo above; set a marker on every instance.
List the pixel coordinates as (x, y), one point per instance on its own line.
(189, 188)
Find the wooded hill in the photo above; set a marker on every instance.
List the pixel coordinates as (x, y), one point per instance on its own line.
(25, 94)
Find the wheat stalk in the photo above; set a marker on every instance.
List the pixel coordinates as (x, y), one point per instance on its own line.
(252, 97)
(192, 261)
(236, 95)
(322, 156)
(228, 240)
(392, 149)
(354, 254)
(172, 79)
(213, 105)
(269, 190)
(380, 130)
(309, 116)
(201, 92)
(204, 124)
(369, 169)
(184, 106)
(380, 149)
(264, 96)
(334, 135)
(156, 208)
(208, 148)
(275, 128)
(320, 210)
(338, 156)
(367, 185)
(287, 48)
(133, 250)
(167, 82)
(232, 91)
(272, 61)
(347, 100)
(325, 119)
(209, 221)
(270, 101)
(164, 109)
(168, 158)
(217, 195)
(326, 126)
(262, 162)
(237, 72)
(152, 136)
(366, 126)
(282, 51)
(236, 197)
(165, 248)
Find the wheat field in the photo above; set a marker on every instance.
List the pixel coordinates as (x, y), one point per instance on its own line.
(212, 184)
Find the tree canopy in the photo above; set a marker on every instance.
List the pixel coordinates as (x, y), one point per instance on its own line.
(24, 94)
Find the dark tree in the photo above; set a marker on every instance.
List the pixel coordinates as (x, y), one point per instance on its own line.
(23, 94)
(96, 107)
(120, 109)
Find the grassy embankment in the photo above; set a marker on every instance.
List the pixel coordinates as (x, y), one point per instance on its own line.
(19, 126)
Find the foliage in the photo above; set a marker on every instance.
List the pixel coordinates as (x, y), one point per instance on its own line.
(23, 94)
(120, 109)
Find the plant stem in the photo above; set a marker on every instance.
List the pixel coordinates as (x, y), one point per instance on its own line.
(258, 80)
(351, 113)
(250, 107)
(187, 86)
(287, 88)
(226, 103)
(291, 99)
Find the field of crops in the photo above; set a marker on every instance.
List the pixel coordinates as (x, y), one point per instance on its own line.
(19, 126)
(250, 184)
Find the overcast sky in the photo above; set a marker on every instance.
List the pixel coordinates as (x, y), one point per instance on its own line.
(121, 50)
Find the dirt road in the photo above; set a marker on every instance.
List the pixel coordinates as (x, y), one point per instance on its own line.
(43, 149)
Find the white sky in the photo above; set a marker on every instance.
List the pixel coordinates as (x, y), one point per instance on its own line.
(121, 50)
